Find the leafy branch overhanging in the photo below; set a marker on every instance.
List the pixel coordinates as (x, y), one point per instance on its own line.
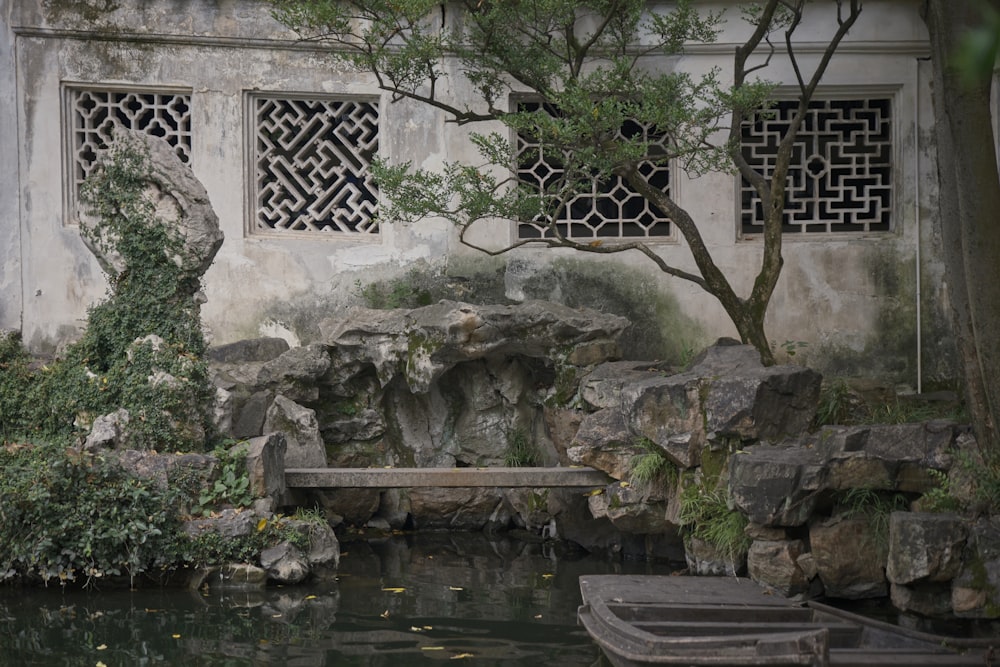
(600, 63)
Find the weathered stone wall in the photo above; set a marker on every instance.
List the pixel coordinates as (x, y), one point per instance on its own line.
(848, 298)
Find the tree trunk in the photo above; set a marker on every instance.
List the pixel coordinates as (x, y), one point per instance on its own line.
(968, 200)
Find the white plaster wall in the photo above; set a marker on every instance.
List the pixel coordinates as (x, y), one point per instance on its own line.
(829, 295)
(10, 229)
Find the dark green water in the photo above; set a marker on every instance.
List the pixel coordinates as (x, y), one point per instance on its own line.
(414, 600)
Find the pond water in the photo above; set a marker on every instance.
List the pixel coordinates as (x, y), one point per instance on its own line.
(409, 600)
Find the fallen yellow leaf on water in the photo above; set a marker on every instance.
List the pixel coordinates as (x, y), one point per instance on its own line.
(455, 588)
(394, 589)
(100, 664)
(310, 597)
(428, 627)
(385, 614)
(537, 616)
(547, 575)
(432, 648)
(102, 647)
(414, 628)
(275, 615)
(459, 656)
(176, 636)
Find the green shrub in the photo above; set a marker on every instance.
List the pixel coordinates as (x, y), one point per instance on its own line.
(68, 517)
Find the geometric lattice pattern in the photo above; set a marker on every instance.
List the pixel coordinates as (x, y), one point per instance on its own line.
(841, 174)
(311, 165)
(95, 114)
(609, 208)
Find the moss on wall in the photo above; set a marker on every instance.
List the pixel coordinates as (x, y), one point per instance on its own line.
(889, 351)
(660, 329)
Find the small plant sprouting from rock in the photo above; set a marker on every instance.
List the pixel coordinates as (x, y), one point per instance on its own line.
(652, 468)
(521, 450)
(706, 515)
(875, 507)
(940, 498)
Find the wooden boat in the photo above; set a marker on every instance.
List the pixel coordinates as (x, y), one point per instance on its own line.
(666, 620)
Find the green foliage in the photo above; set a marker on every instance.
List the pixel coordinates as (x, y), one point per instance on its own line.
(163, 385)
(792, 347)
(875, 507)
(75, 517)
(232, 486)
(16, 386)
(652, 467)
(840, 404)
(706, 515)
(396, 293)
(521, 450)
(940, 498)
(835, 403)
(210, 548)
(79, 518)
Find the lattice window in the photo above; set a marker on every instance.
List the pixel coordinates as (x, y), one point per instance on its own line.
(841, 174)
(609, 208)
(94, 114)
(311, 163)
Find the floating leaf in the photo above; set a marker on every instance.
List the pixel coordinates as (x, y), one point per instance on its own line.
(460, 656)
(100, 664)
(176, 636)
(414, 628)
(432, 648)
(455, 588)
(548, 575)
(310, 597)
(393, 589)
(385, 614)
(102, 647)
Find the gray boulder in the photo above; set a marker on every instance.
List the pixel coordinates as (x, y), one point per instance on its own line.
(180, 202)
(925, 547)
(850, 559)
(975, 592)
(296, 373)
(284, 563)
(304, 446)
(726, 394)
(776, 564)
(604, 442)
(780, 485)
(265, 463)
(420, 345)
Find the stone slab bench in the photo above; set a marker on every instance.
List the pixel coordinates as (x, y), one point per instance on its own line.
(388, 478)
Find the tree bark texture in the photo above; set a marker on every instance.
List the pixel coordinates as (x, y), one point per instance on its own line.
(968, 210)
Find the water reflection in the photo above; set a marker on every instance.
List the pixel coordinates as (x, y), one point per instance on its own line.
(413, 600)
